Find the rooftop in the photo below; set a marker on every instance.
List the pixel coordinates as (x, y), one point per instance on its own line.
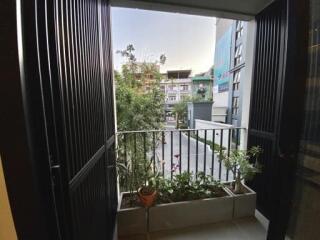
(178, 73)
(201, 78)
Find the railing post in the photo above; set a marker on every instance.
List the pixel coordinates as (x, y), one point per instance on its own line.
(213, 152)
(125, 159)
(229, 145)
(180, 151)
(205, 152)
(145, 152)
(154, 152)
(197, 150)
(220, 160)
(189, 151)
(171, 153)
(163, 161)
(237, 144)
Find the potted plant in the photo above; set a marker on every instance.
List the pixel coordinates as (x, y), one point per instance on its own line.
(189, 200)
(147, 192)
(238, 162)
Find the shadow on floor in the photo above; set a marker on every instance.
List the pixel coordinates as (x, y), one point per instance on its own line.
(249, 228)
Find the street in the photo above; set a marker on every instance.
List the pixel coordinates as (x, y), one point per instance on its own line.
(184, 156)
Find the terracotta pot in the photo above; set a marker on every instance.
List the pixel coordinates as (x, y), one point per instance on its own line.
(147, 200)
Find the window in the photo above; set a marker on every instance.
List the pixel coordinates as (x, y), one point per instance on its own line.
(238, 55)
(236, 80)
(162, 88)
(172, 98)
(184, 87)
(239, 29)
(171, 87)
(235, 105)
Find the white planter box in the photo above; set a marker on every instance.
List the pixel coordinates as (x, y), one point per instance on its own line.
(190, 213)
(244, 204)
(131, 221)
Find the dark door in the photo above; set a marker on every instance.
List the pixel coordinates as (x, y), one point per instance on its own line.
(266, 97)
(277, 106)
(75, 68)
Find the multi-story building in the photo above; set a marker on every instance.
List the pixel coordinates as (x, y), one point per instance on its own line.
(145, 74)
(229, 65)
(177, 86)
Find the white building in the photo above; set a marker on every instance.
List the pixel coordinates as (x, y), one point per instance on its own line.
(177, 86)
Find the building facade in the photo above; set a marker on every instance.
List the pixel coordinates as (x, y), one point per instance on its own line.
(177, 86)
(229, 66)
(145, 74)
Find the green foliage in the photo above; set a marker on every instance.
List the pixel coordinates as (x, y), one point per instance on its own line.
(239, 163)
(181, 110)
(137, 109)
(185, 187)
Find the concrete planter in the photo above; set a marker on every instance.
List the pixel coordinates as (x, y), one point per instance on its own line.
(131, 221)
(244, 204)
(190, 213)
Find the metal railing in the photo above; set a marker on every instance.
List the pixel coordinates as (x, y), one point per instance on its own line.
(174, 151)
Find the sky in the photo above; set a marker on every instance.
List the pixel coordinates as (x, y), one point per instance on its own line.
(187, 41)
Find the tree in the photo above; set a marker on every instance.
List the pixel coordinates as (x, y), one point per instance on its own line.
(180, 110)
(137, 109)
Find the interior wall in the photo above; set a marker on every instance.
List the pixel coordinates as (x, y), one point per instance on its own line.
(7, 229)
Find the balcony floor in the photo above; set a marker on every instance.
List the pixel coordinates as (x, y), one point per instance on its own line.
(243, 229)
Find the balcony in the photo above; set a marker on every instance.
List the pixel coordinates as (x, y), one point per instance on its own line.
(171, 153)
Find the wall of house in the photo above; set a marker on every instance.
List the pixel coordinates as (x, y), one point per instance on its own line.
(201, 124)
(246, 81)
(199, 110)
(7, 229)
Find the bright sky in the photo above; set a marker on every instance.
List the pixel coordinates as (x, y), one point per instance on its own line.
(187, 41)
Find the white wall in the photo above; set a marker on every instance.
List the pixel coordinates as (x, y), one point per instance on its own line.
(201, 124)
(246, 79)
(221, 99)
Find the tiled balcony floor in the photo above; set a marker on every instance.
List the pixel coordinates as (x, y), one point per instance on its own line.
(249, 228)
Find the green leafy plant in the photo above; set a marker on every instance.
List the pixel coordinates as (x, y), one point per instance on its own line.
(186, 186)
(238, 162)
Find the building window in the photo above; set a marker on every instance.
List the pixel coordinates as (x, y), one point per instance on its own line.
(162, 88)
(238, 55)
(184, 87)
(172, 98)
(236, 80)
(235, 105)
(171, 87)
(239, 29)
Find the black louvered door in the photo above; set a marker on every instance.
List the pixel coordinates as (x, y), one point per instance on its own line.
(75, 66)
(266, 97)
(276, 108)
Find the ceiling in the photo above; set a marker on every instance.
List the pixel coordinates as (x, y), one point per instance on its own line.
(233, 9)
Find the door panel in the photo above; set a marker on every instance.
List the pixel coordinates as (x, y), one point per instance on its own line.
(276, 106)
(265, 98)
(74, 57)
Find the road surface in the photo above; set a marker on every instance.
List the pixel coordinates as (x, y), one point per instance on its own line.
(210, 159)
